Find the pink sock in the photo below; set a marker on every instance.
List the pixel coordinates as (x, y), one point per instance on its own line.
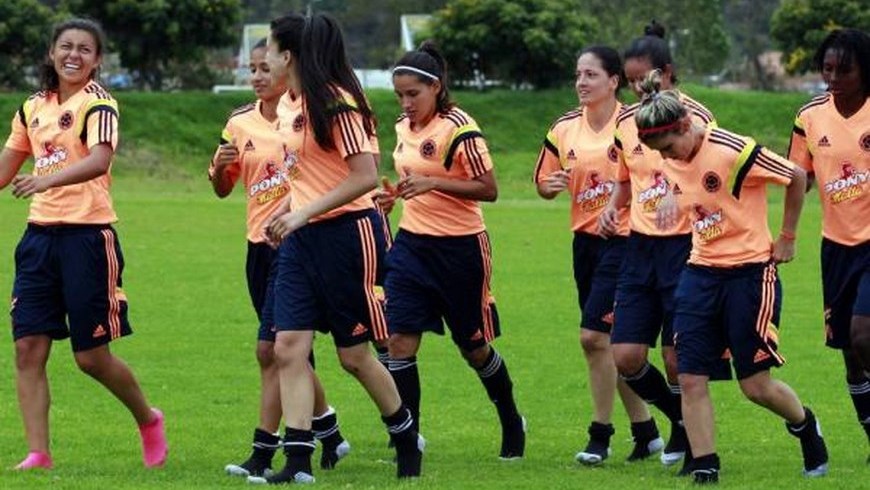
(154, 447)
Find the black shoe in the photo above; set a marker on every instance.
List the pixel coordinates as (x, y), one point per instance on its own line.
(813, 447)
(598, 448)
(287, 475)
(330, 456)
(409, 456)
(646, 440)
(705, 470)
(251, 467)
(675, 449)
(513, 440)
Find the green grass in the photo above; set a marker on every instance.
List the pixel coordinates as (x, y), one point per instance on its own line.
(195, 331)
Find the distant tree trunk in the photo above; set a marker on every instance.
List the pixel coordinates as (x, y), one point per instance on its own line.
(762, 79)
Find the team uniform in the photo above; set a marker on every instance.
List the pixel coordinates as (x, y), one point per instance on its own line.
(327, 270)
(262, 165)
(592, 159)
(837, 151)
(440, 262)
(440, 265)
(654, 258)
(729, 296)
(68, 264)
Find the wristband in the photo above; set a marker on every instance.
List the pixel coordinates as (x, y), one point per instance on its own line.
(787, 235)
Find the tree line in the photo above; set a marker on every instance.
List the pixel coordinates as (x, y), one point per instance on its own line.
(519, 42)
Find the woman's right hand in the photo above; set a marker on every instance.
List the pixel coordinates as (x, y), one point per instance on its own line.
(227, 153)
(556, 182)
(607, 222)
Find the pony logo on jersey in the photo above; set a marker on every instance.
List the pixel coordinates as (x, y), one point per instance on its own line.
(712, 182)
(708, 224)
(596, 195)
(651, 196)
(65, 121)
(849, 185)
(865, 141)
(51, 161)
(427, 149)
(612, 153)
(299, 123)
(272, 182)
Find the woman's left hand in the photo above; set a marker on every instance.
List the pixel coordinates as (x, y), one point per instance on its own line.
(783, 250)
(412, 185)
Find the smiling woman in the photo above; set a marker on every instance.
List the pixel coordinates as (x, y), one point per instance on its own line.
(68, 265)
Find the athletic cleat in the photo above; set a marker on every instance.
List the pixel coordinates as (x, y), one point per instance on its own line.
(409, 457)
(513, 441)
(282, 477)
(813, 448)
(251, 467)
(675, 449)
(644, 449)
(331, 456)
(154, 447)
(598, 448)
(35, 460)
(705, 476)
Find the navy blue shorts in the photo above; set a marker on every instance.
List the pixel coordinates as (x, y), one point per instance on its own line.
(327, 276)
(720, 310)
(596, 270)
(430, 278)
(650, 272)
(69, 273)
(260, 268)
(845, 288)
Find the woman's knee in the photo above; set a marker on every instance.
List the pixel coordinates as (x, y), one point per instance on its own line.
(592, 340)
(629, 358)
(31, 352)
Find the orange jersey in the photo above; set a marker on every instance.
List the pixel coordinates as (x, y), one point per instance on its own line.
(262, 164)
(60, 135)
(451, 146)
(591, 158)
(725, 186)
(645, 168)
(314, 170)
(837, 151)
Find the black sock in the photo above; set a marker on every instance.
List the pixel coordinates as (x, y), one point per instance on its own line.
(860, 393)
(644, 431)
(325, 429)
(400, 425)
(495, 378)
(383, 356)
(407, 378)
(265, 444)
(707, 461)
(298, 447)
(651, 386)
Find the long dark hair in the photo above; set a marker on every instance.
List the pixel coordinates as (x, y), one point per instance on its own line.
(854, 47)
(48, 78)
(430, 60)
(653, 46)
(318, 46)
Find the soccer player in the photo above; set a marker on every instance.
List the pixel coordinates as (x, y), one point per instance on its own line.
(253, 149)
(831, 141)
(654, 258)
(331, 242)
(729, 295)
(440, 264)
(68, 264)
(578, 156)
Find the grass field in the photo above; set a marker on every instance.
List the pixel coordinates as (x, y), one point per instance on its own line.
(195, 333)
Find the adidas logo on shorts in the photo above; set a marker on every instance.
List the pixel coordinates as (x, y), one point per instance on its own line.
(359, 330)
